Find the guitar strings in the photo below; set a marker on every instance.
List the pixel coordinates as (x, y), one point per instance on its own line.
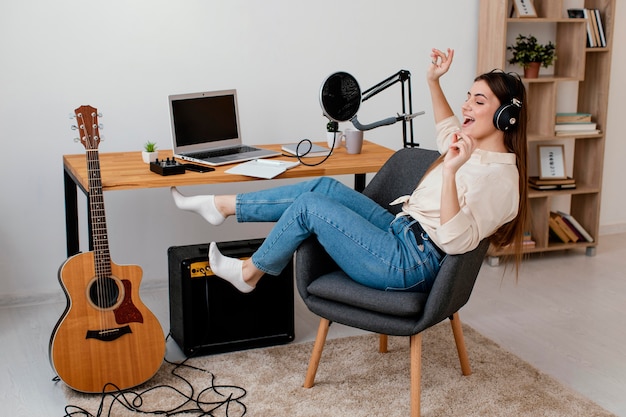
(85, 137)
(225, 399)
(105, 286)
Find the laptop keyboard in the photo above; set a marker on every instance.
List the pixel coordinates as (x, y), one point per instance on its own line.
(224, 152)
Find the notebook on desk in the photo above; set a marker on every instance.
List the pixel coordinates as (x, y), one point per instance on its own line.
(205, 129)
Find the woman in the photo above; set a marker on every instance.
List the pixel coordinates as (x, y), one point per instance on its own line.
(476, 189)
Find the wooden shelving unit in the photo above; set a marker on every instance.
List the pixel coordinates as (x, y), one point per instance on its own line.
(588, 69)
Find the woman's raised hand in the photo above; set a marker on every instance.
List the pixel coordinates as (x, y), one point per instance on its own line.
(440, 63)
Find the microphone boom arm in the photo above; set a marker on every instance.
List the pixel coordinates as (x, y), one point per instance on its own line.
(403, 77)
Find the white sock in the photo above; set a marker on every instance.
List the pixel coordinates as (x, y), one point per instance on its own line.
(229, 269)
(204, 205)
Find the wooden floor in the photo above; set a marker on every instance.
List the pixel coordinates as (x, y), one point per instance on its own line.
(564, 316)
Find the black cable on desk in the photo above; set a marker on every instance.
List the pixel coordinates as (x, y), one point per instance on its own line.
(303, 154)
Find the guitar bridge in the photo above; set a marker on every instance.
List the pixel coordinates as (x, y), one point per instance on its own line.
(108, 335)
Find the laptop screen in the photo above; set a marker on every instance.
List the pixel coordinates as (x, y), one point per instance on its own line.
(204, 120)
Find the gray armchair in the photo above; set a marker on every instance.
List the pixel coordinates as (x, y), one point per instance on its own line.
(330, 294)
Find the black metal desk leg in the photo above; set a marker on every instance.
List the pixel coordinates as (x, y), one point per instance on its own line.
(359, 182)
(71, 215)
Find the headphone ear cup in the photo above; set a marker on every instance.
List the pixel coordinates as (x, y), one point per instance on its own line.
(506, 116)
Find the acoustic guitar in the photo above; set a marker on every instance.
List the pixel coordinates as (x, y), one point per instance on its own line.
(106, 339)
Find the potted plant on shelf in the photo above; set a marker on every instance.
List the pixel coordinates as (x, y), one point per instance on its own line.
(531, 55)
(149, 153)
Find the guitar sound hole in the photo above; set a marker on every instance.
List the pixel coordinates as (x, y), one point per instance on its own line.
(104, 292)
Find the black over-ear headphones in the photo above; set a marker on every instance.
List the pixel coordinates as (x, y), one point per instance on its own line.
(507, 114)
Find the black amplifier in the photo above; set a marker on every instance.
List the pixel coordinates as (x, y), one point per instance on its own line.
(209, 315)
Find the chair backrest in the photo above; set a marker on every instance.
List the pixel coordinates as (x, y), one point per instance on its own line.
(399, 176)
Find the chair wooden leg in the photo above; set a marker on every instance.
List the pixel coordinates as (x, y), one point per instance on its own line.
(457, 330)
(416, 374)
(382, 344)
(316, 355)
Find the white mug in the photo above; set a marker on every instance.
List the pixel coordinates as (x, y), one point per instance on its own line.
(354, 140)
(335, 137)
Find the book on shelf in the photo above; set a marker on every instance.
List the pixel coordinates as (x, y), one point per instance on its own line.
(551, 181)
(581, 238)
(573, 118)
(552, 187)
(600, 28)
(569, 219)
(580, 126)
(538, 183)
(568, 230)
(576, 132)
(591, 39)
(528, 242)
(557, 231)
(595, 29)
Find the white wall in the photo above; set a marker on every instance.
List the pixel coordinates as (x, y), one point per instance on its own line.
(126, 57)
(612, 213)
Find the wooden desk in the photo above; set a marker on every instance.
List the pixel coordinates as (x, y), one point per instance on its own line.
(126, 171)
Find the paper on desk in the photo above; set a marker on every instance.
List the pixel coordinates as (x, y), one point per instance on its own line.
(262, 168)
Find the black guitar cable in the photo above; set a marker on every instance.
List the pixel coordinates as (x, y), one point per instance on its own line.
(228, 401)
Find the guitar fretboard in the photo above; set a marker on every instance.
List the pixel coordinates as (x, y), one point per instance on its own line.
(98, 218)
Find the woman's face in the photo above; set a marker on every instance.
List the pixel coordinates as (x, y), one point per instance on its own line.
(478, 111)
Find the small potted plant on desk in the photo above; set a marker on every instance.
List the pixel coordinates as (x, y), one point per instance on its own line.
(531, 55)
(149, 153)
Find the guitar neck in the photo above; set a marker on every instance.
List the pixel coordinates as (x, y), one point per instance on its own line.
(98, 218)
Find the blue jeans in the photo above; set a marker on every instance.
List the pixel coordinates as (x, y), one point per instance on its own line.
(367, 242)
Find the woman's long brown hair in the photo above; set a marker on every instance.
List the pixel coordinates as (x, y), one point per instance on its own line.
(506, 87)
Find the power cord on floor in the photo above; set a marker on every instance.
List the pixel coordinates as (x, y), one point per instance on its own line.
(227, 398)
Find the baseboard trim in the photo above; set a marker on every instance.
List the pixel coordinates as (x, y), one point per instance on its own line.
(612, 229)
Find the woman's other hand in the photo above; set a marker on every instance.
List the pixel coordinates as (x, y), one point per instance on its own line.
(459, 152)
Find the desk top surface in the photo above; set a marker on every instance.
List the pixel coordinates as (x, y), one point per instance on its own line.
(127, 171)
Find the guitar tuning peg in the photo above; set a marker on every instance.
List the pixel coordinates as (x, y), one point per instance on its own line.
(102, 138)
(76, 140)
(74, 127)
(99, 114)
(71, 115)
(100, 126)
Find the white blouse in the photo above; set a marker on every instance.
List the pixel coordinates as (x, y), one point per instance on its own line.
(488, 190)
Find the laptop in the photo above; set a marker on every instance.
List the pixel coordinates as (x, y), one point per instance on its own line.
(205, 129)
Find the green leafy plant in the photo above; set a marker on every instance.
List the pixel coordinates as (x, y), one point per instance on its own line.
(332, 126)
(150, 146)
(526, 50)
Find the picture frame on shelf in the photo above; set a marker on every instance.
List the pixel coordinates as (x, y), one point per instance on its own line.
(524, 8)
(551, 161)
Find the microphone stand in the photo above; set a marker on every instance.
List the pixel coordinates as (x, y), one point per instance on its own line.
(404, 77)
